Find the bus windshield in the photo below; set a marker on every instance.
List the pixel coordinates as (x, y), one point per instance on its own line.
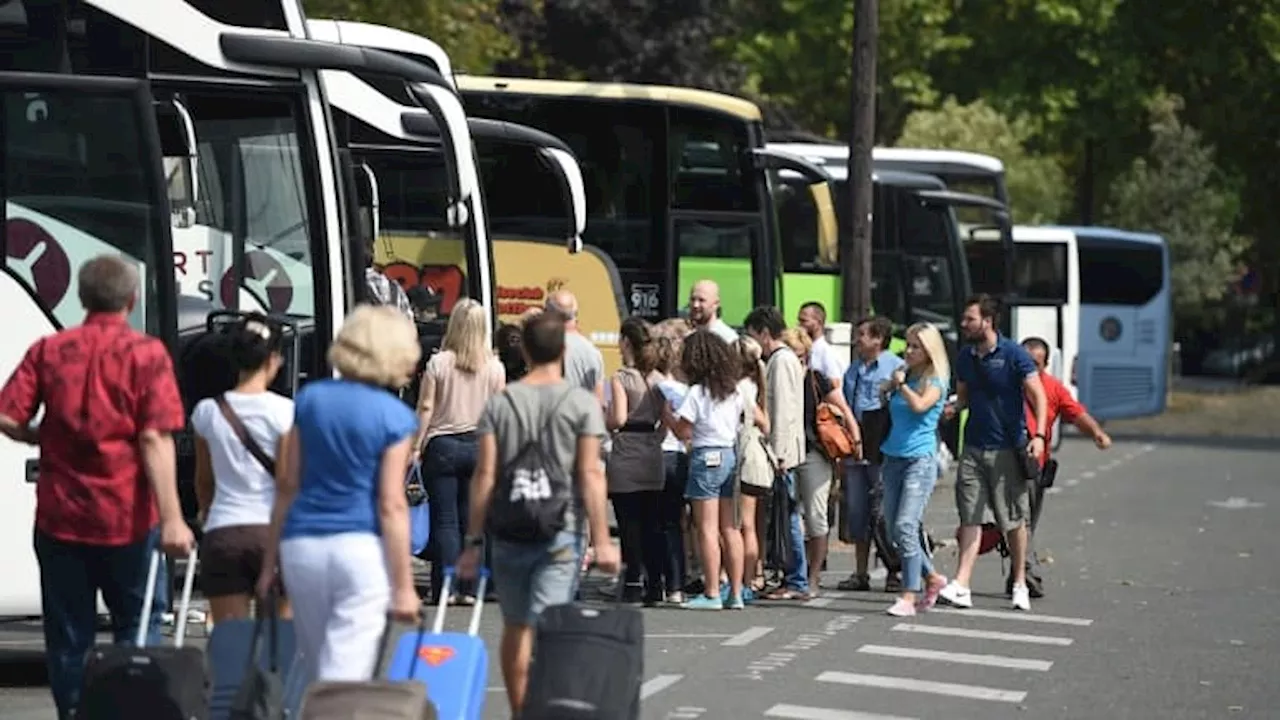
(78, 182)
(521, 191)
(253, 219)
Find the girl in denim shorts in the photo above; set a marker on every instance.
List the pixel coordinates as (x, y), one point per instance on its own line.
(708, 418)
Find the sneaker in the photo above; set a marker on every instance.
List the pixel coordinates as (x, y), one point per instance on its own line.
(748, 595)
(735, 603)
(1021, 597)
(902, 608)
(857, 582)
(930, 596)
(675, 598)
(702, 602)
(957, 595)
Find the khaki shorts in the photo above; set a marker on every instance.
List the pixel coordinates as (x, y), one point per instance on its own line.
(813, 480)
(992, 478)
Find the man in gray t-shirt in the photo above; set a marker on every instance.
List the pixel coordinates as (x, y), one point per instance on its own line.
(583, 363)
(569, 423)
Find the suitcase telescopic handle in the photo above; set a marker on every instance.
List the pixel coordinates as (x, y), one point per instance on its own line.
(149, 598)
(437, 626)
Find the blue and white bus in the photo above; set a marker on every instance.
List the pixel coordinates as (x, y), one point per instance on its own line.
(1126, 322)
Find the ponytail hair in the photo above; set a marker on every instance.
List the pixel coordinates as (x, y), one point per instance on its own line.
(253, 341)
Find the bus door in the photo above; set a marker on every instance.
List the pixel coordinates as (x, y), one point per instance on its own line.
(82, 176)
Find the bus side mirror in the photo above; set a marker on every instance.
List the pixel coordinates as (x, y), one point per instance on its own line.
(181, 160)
(13, 16)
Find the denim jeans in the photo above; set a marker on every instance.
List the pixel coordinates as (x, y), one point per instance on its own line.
(797, 579)
(676, 465)
(908, 484)
(860, 497)
(447, 467)
(71, 574)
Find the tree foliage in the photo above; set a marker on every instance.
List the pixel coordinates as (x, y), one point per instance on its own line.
(468, 30)
(1178, 192)
(648, 41)
(1037, 184)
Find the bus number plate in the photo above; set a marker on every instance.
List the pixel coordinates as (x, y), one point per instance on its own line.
(646, 300)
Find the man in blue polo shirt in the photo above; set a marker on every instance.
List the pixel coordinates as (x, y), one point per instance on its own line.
(994, 377)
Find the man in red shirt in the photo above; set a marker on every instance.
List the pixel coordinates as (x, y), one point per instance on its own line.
(107, 469)
(1060, 403)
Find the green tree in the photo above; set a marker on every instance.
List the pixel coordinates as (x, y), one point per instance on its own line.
(468, 30)
(797, 55)
(1038, 189)
(648, 41)
(1179, 192)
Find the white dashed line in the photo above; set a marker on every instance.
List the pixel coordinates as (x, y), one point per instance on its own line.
(997, 661)
(800, 712)
(1015, 615)
(983, 634)
(657, 684)
(975, 692)
(748, 636)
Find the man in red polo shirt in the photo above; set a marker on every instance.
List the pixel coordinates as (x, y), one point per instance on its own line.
(1060, 403)
(107, 469)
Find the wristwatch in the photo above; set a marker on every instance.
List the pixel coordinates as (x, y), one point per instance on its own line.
(471, 541)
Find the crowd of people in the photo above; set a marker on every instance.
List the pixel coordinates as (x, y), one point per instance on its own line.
(722, 456)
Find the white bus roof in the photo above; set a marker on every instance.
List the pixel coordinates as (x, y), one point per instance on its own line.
(348, 32)
(822, 153)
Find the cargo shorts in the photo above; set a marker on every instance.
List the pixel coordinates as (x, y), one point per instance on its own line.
(992, 478)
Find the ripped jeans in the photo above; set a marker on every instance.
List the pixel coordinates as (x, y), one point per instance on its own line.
(908, 485)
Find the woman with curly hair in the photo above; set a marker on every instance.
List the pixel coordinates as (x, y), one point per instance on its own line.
(708, 418)
(669, 338)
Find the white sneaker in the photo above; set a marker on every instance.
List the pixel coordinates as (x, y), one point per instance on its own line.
(1021, 597)
(957, 595)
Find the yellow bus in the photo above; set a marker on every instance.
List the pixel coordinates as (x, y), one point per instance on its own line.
(680, 187)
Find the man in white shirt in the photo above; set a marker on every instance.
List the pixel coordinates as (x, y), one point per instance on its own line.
(822, 357)
(704, 311)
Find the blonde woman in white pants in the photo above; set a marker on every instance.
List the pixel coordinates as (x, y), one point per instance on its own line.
(340, 525)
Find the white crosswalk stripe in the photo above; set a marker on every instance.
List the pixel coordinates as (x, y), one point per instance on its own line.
(937, 654)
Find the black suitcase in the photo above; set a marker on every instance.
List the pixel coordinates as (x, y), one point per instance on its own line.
(156, 683)
(588, 664)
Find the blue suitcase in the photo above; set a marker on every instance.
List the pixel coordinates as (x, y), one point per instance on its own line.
(454, 666)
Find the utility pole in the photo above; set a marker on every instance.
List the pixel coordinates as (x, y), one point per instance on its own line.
(855, 250)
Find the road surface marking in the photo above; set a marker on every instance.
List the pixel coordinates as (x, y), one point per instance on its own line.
(748, 636)
(1088, 474)
(686, 713)
(819, 602)
(687, 636)
(800, 712)
(888, 682)
(1071, 482)
(999, 661)
(1016, 615)
(983, 634)
(657, 684)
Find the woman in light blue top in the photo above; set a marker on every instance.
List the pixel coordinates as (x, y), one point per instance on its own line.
(916, 397)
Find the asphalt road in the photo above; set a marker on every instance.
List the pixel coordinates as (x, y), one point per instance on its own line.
(1161, 605)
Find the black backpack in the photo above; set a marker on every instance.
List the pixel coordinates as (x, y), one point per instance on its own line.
(533, 491)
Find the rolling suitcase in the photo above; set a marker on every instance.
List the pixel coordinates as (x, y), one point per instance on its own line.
(233, 648)
(454, 666)
(588, 664)
(158, 682)
(372, 699)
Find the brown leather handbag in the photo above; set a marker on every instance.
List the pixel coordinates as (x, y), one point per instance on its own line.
(836, 440)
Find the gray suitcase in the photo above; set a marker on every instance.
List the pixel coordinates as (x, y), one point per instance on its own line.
(373, 699)
(370, 700)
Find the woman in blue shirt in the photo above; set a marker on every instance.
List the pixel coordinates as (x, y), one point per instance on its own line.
(340, 524)
(916, 397)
